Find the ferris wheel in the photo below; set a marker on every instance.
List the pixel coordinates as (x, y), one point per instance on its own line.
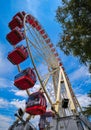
(55, 94)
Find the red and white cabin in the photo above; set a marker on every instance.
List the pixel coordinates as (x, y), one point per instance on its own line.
(50, 45)
(45, 36)
(38, 28)
(15, 36)
(53, 49)
(16, 22)
(36, 104)
(20, 14)
(18, 55)
(56, 54)
(35, 23)
(30, 19)
(42, 32)
(25, 79)
(48, 40)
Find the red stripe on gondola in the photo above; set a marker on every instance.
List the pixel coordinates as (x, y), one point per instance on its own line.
(24, 82)
(25, 79)
(36, 109)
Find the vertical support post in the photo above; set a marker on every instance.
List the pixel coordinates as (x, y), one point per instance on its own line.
(58, 91)
(72, 105)
(75, 99)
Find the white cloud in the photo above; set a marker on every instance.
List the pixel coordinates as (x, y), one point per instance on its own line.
(19, 92)
(3, 103)
(5, 122)
(24, 93)
(17, 103)
(83, 99)
(35, 88)
(5, 83)
(5, 66)
(80, 73)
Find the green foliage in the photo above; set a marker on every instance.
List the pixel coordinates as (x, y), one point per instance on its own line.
(87, 110)
(74, 16)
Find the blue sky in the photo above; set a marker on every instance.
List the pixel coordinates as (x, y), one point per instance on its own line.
(44, 11)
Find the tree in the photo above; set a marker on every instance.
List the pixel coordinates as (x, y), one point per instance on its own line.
(74, 16)
(87, 110)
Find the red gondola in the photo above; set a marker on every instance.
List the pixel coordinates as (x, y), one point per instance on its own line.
(45, 36)
(30, 19)
(60, 64)
(50, 45)
(35, 23)
(25, 79)
(16, 22)
(53, 49)
(47, 41)
(20, 14)
(42, 32)
(36, 104)
(15, 36)
(56, 54)
(38, 28)
(18, 55)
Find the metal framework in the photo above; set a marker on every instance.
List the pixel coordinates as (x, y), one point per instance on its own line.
(39, 49)
(50, 72)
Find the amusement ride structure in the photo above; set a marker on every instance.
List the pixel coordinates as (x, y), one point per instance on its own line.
(55, 101)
